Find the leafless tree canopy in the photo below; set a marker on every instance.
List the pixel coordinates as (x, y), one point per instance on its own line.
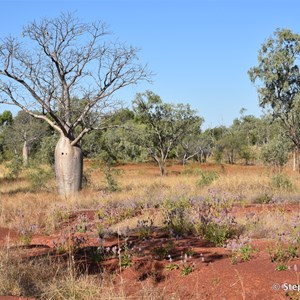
(62, 58)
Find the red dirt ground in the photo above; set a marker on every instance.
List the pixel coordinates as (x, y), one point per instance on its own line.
(213, 275)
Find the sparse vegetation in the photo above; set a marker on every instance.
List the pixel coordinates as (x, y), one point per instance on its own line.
(171, 209)
(226, 198)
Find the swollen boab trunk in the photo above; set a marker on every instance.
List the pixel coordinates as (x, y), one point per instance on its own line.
(68, 167)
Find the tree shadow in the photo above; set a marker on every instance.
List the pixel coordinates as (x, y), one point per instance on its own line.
(147, 257)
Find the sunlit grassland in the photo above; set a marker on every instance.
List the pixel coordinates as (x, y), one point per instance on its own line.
(245, 184)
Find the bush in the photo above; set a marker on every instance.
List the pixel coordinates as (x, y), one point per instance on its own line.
(209, 217)
(213, 219)
(14, 167)
(176, 215)
(207, 177)
(110, 178)
(265, 197)
(276, 152)
(39, 177)
(47, 148)
(218, 233)
(282, 182)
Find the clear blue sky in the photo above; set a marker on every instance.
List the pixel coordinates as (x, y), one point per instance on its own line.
(200, 50)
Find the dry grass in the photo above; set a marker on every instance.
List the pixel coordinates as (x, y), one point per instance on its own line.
(137, 182)
(50, 278)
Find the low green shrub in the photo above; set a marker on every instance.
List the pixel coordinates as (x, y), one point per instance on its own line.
(176, 215)
(39, 177)
(208, 217)
(207, 177)
(282, 182)
(14, 167)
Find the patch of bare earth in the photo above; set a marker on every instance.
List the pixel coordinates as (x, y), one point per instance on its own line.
(213, 275)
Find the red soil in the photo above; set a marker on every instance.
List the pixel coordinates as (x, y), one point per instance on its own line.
(213, 275)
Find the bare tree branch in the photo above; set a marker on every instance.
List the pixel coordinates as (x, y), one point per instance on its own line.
(62, 58)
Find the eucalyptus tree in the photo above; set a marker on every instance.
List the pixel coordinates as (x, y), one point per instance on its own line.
(278, 78)
(195, 145)
(189, 147)
(60, 58)
(28, 131)
(276, 152)
(206, 145)
(163, 125)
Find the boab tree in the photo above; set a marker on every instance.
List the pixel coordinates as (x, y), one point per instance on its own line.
(56, 60)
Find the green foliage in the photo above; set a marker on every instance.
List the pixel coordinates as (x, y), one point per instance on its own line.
(207, 177)
(278, 75)
(218, 234)
(276, 152)
(110, 177)
(214, 221)
(187, 269)
(39, 177)
(81, 223)
(25, 129)
(172, 267)
(47, 148)
(243, 253)
(229, 146)
(175, 215)
(292, 250)
(246, 153)
(125, 259)
(282, 182)
(264, 198)
(58, 215)
(208, 217)
(100, 230)
(281, 267)
(282, 254)
(166, 125)
(277, 70)
(26, 234)
(217, 154)
(14, 167)
(6, 118)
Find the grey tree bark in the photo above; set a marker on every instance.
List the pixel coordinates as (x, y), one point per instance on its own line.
(68, 167)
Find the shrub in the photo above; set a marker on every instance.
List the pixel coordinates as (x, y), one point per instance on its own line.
(282, 254)
(176, 215)
(39, 177)
(110, 175)
(241, 250)
(213, 219)
(207, 177)
(265, 197)
(282, 182)
(208, 217)
(14, 167)
(276, 152)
